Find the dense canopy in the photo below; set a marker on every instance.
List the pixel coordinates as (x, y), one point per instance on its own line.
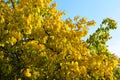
(36, 44)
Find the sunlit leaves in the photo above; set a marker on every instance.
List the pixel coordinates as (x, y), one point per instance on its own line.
(2, 19)
(91, 23)
(37, 44)
(102, 57)
(27, 73)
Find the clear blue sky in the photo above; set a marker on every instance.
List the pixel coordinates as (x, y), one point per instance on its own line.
(95, 10)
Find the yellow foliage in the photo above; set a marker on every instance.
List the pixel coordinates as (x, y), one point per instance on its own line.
(2, 44)
(19, 78)
(33, 33)
(27, 73)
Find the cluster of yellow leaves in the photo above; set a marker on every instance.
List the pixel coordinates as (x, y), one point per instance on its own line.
(33, 34)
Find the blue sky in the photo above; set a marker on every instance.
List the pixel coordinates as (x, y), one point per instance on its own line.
(95, 10)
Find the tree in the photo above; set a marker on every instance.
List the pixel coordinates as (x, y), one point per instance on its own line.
(35, 43)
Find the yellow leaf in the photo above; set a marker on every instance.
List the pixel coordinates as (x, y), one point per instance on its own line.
(27, 72)
(52, 37)
(2, 44)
